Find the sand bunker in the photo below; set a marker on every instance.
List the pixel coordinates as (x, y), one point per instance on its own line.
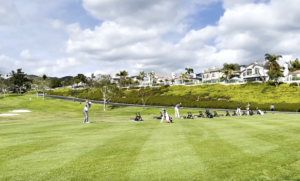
(9, 114)
(20, 111)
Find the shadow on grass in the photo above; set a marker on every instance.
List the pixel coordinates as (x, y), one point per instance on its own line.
(12, 95)
(9, 95)
(115, 107)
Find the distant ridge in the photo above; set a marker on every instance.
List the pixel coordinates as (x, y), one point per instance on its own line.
(62, 78)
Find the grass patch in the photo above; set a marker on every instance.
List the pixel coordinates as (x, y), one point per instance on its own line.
(52, 143)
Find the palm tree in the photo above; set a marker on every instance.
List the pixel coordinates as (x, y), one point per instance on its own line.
(274, 67)
(294, 65)
(183, 76)
(228, 70)
(152, 76)
(122, 74)
(142, 75)
(272, 59)
(189, 70)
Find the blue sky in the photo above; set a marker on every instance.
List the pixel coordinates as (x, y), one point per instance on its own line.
(67, 37)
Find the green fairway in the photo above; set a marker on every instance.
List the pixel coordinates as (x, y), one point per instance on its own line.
(52, 143)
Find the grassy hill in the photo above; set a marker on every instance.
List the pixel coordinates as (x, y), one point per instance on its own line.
(285, 97)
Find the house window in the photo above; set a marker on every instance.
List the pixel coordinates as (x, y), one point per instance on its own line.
(249, 72)
(207, 76)
(256, 70)
(244, 74)
(213, 75)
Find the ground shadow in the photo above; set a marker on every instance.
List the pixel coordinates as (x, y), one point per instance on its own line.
(115, 107)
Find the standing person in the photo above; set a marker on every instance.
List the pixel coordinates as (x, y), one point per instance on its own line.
(177, 111)
(272, 108)
(166, 116)
(85, 111)
(238, 110)
(248, 107)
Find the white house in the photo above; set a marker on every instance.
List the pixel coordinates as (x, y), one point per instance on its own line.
(212, 75)
(254, 72)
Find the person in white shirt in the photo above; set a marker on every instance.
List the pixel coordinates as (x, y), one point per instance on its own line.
(177, 111)
(248, 107)
(238, 110)
(166, 117)
(85, 111)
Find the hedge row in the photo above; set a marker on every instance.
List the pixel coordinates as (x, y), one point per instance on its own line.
(162, 98)
(172, 101)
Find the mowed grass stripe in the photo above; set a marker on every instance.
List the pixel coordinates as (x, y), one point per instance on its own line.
(46, 156)
(217, 154)
(256, 153)
(166, 155)
(96, 163)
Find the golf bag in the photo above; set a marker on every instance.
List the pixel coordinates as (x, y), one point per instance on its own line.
(171, 120)
(251, 113)
(208, 114)
(260, 112)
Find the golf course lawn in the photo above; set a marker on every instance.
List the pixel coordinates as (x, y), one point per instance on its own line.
(52, 143)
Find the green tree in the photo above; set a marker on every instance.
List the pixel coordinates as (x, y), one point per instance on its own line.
(189, 71)
(274, 67)
(81, 78)
(152, 77)
(18, 79)
(44, 84)
(294, 65)
(108, 89)
(91, 82)
(228, 70)
(3, 84)
(36, 85)
(145, 94)
(142, 75)
(122, 74)
(55, 83)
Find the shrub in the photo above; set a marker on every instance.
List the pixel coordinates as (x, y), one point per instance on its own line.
(293, 84)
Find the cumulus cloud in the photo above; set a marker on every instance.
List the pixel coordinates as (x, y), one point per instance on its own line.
(26, 55)
(130, 33)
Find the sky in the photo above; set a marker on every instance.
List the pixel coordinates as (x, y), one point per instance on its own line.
(67, 37)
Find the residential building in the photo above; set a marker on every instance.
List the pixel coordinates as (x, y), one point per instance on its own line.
(254, 72)
(212, 75)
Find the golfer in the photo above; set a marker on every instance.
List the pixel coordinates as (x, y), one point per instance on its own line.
(248, 107)
(177, 111)
(272, 108)
(85, 111)
(238, 110)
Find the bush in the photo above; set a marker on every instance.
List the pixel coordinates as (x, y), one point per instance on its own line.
(284, 98)
(293, 84)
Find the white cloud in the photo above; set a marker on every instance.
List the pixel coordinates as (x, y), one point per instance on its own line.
(26, 55)
(130, 36)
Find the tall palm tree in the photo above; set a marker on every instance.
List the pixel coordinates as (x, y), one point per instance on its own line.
(189, 70)
(228, 69)
(122, 75)
(152, 76)
(274, 67)
(272, 59)
(142, 75)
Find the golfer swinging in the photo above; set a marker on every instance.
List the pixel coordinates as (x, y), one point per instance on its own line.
(85, 111)
(176, 110)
